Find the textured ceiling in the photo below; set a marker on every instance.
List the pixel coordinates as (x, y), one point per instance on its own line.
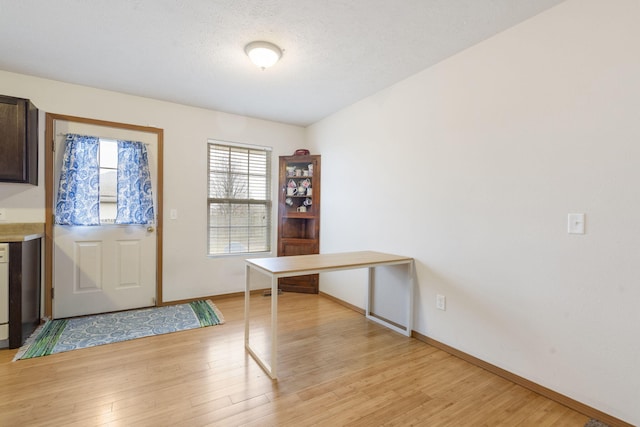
(192, 51)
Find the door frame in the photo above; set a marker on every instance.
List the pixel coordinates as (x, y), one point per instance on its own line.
(50, 120)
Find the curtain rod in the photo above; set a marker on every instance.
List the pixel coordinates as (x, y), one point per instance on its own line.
(100, 137)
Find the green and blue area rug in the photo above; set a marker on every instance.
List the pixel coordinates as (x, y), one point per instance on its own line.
(57, 336)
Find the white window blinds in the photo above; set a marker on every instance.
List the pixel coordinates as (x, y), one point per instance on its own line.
(239, 199)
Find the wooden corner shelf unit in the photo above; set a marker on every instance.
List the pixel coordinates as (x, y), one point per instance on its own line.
(299, 216)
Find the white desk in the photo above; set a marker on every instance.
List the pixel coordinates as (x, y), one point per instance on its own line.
(321, 263)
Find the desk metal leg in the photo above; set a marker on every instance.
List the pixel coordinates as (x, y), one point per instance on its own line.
(268, 368)
(409, 319)
(274, 327)
(247, 301)
(411, 271)
(370, 280)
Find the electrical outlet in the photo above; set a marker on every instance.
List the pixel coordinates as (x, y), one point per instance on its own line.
(441, 302)
(3, 214)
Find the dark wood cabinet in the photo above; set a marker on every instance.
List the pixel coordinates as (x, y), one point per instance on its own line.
(24, 290)
(299, 216)
(18, 140)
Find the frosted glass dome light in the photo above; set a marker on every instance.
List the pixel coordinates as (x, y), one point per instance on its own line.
(263, 54)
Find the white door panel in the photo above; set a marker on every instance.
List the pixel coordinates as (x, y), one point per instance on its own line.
(102, 269)
(86, 266)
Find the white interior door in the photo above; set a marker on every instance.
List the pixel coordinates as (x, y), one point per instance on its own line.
(98, 269)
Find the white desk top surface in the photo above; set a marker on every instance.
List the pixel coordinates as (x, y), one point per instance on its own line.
(319, 262)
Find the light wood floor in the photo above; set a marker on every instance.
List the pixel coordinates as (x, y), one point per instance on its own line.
(336, 368)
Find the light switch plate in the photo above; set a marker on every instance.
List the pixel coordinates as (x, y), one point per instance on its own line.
(3, 214)
(575, 223)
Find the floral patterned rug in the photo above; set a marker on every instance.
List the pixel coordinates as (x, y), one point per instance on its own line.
(595, 423)
(57, 336)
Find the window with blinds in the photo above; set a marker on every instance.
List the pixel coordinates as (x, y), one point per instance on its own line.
(239, 199)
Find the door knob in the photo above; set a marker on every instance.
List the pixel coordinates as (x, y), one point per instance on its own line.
(150, 229)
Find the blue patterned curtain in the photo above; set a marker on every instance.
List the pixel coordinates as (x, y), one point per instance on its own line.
(78, 193)
(135, 199)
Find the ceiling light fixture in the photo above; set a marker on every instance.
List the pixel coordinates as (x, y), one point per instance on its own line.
(263, 54)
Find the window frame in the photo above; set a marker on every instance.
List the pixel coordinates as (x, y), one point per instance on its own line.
(109, 200)
(265, 204)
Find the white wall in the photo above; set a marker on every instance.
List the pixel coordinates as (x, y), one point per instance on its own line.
(472, 166)
(187, 271)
